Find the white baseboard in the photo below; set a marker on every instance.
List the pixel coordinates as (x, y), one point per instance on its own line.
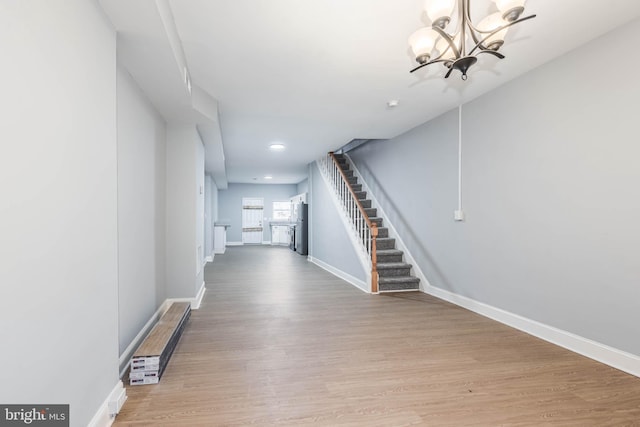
(107, 412)
(361, 285)
(198, 300)
(266, 242)
(235, 243)
(195, 302)
(626, 362)
(208, 259)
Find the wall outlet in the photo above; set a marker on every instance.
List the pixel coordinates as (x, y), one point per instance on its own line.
(458, 215)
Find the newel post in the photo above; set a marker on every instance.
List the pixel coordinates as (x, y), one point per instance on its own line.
(374, 259)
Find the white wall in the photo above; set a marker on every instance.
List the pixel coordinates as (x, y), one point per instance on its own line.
(550, 192)
(185, 205)
(58, 177)
(141, 209)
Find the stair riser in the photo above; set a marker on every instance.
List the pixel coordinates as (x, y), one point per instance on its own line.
(371, 212)
(348, 173)
(356, 187)
(365, 203)
(361, 195)
(389, 258)
(398, 287)
(383, 232)
(395, 272)
(352, 180)
(385, 244)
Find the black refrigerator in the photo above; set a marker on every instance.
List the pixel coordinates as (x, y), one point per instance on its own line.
(301, 230)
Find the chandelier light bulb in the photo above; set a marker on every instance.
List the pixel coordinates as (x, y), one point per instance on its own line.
(439, 11)
(510, 9)
(490, 23)
(422, 43)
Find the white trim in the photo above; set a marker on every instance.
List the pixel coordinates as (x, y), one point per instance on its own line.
(341, 274)
(235, 243)
(208, 259)
(266, 242)
(106, 414)
(195, 302)
(400, 245)
(127, 354)
(626, 362)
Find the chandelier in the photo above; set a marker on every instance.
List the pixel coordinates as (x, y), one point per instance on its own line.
(460, 50)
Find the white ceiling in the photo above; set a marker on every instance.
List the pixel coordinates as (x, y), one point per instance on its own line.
(314, 75)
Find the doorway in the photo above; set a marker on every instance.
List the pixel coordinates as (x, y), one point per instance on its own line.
(252, 210)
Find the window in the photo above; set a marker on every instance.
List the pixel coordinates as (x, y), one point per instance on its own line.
(281, 211)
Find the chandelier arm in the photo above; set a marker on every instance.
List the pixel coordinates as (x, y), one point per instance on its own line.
(446, 76)
(469, 23)
(435, 61)
(492, 52)
(479, 44)
(449, 40)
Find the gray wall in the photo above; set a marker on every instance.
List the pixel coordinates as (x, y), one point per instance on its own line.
(185, 208)
(550, 192)
(210, 204)
(303, 187)
(141, 209)
(230, 205)
(329, 241)
(200, 211)
(58, 180)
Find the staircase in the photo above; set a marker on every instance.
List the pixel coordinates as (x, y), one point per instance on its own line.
(393, 273)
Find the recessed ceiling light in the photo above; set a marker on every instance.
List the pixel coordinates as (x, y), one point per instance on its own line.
(268, 177)
(276, 147)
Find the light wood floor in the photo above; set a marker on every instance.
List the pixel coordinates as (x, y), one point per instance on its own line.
(278, 341)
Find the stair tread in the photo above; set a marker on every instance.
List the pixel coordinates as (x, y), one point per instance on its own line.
(392, 265)
(398, 279)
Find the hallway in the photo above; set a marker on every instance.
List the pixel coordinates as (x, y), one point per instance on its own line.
(279, 341)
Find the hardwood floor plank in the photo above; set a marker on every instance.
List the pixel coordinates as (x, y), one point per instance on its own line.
(279, 341)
